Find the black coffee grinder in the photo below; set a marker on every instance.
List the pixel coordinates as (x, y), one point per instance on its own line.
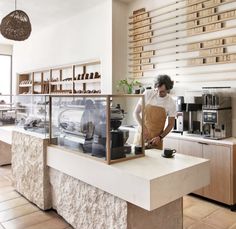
(119, 148)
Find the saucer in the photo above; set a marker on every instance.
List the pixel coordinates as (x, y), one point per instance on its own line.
(163, 155)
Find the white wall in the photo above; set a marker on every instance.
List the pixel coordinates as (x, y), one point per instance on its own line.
(119, 42)
(86, 36)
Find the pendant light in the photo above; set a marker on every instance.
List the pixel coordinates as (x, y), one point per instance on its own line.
(16, 25)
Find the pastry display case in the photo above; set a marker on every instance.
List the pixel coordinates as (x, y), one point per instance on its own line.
(96, 125)
(32, 113)
(7, 110)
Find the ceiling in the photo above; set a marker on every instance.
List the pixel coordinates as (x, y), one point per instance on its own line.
(46, 12)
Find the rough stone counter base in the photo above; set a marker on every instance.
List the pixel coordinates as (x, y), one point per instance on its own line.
(29, 168)
(87, 207)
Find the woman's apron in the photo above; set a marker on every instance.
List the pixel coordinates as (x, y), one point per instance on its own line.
(154, 120)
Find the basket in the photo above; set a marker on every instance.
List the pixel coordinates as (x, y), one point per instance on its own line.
(16, 26)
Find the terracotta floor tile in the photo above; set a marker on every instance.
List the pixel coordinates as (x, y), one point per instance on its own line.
(12, 203)
(6, 169)
(17, 212)
(222, 218)
(189, 201)
(6, 189)
(201, 225)
(9, 196)
(188, 222)
(5, 183)
(233, 227)
(29, 220)
(56, 223)
(200, 210)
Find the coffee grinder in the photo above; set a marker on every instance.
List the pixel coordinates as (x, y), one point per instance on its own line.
(119, 148)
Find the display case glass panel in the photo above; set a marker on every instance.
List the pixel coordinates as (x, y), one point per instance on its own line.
(101, 126)
(7, 110)
(32, 113)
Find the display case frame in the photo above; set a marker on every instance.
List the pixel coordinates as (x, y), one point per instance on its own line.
(108, 98)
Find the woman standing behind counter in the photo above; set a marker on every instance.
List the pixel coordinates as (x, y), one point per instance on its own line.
(159, 106)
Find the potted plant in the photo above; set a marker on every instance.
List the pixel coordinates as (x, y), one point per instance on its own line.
(128, 86)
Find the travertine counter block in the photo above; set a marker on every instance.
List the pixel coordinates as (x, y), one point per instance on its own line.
(29, 169)
(87, 207)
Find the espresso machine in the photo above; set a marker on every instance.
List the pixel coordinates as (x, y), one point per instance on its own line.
(217, 116)
(188, 116)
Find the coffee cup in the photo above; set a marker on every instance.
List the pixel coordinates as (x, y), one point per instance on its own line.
(138, 150)
(168, 152)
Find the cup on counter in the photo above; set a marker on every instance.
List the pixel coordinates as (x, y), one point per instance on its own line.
(168, 152)
(138, 150)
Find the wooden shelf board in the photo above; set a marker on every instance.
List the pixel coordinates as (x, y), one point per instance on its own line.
(98, 80)
(61, 82)
(25, 85)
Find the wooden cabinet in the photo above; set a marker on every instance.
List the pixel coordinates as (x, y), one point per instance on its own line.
(80, 78)
(192, 149)
(222, 158)
(220, 167)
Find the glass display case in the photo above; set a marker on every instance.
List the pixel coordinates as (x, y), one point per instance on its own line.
(32, 113)
(7, 110)
(96, 125)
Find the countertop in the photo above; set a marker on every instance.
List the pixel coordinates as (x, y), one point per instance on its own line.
(6, 133)
(199, 138)
(149, 182)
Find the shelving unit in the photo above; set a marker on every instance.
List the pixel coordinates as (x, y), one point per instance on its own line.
(78, 78)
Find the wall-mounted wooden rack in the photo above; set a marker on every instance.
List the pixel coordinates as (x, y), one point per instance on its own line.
(188, 44)
(202, 17)
(202, 13)
(180, 37)
(232, 16)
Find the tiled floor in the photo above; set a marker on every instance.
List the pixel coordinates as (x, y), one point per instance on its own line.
(17, 213)
(201, 214)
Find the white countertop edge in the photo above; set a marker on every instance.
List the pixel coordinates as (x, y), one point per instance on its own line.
(133, 181)
(6, 134)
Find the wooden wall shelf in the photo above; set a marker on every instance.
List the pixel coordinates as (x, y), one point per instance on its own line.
(55, 80)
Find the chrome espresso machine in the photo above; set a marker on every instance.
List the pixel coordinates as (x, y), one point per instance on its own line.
(217, 116)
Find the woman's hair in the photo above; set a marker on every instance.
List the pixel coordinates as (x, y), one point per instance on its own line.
(164, 80)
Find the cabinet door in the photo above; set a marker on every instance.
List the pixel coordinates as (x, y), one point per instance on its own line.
(171, 143)
(219, 188)
(192, 149)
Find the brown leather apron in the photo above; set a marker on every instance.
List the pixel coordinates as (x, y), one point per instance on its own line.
(155, 118)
